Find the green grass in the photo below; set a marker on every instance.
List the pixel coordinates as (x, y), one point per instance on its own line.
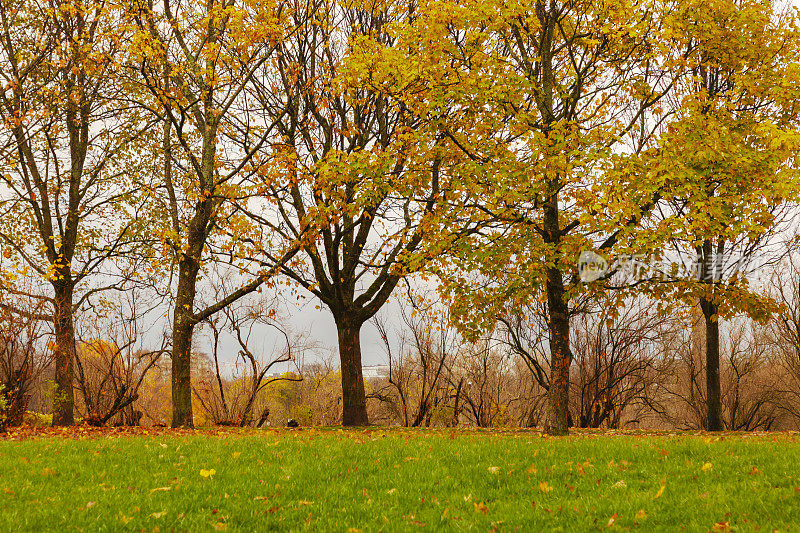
(402, 480)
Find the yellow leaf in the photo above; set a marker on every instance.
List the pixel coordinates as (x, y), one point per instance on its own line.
(641, 514)
(236, 454)
(706, 467)
(544, 486)
(158, 515)
(612, 520)
(660, 491)
(220, 526)
(207, 473)
(494, 469)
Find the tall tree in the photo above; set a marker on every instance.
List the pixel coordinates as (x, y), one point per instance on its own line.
(357, 167)
(554, 102)
(198, 62)
(727, 164)
(67, 146)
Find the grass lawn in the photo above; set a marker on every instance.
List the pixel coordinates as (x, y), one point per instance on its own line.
(390, 480)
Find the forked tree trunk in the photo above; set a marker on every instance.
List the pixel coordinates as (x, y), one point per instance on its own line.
(63, 324)
(354, 402)
(713, 388)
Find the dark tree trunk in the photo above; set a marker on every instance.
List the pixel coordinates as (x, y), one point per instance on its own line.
(713, 388)
(557, 320)
(182, 329)
(354, 401)
(560, 355)
(63, 396)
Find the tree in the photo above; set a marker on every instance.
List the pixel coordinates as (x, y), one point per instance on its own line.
(68, 143)
(723, 198)
(549, 104)
(355, 168)
(198, 62)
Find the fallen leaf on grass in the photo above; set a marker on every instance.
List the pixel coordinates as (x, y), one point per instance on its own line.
(620, 484)
(721, 526)
(158, 515)
(160, 489)
(391, 491)
(235, 455)
(207, 473)
(89, 505)
(494, 469)
(641, 514)
(660, 491)
(612, 520)
(706, 467)
(305, 502)
(544, 486)
(220, 526)
(481, 507)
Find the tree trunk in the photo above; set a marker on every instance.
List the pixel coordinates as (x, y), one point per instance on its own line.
(557, 320)
(182, 329)
(63, 324)
(560, 355)
(713, 388)
(354, 401)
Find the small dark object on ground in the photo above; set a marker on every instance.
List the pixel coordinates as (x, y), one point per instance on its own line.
(264, 417)
(292, 423)
(95, 421)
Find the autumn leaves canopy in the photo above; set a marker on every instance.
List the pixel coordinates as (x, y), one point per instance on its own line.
(342, 146)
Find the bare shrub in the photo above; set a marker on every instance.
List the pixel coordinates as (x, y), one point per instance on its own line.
(236, 397)
(111, 364)
(24, 360)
